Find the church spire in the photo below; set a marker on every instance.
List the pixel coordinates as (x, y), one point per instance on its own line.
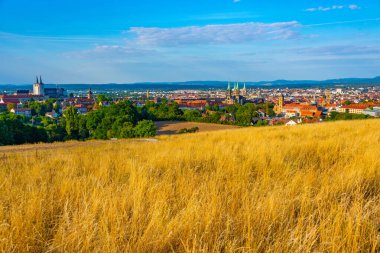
(229, 86)
(244, 85)
(237, 85)
(40, 80)
(37, 79)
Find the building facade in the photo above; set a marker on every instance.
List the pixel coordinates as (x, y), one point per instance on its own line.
(236, 96)
(38, 87)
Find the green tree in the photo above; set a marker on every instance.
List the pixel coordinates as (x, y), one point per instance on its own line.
(127, 131)
(102, 98)
(83, 132)
(55, 133)
(72, 123)
(192, 115)
(347, 102)
(13, 130)
(244, 114)
(145, 128)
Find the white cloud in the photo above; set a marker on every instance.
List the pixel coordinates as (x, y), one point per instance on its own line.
(334, 7)
(236, 1)
(216, 34)
(112, 51)
(353, 7)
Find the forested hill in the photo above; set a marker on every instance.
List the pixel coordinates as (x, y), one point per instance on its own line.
(352, 82)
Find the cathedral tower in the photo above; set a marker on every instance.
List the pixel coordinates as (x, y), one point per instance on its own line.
(147, 95)
(90, 94)
(280, 105)
(244, 91)
(328, 96)
(38, 87)
(229, 92)
(237, 91)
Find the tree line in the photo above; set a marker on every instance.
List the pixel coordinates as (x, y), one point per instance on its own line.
(119, 120)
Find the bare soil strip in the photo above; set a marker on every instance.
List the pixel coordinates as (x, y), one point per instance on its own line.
(172, 127)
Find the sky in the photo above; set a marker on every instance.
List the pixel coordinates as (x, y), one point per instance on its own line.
(126, 41)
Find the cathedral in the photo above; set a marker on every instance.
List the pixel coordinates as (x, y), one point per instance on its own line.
(40, 90)
(38, 87)
(236, 96)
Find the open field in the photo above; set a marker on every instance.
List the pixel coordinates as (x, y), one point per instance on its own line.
(172, 127)
(67, 144)
(309, 188)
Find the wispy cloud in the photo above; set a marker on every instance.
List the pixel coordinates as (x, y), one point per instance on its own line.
(216, 34)
(112, 51)
(63, 38)
(236, 1)
(334, 7)
(353, 7)
(343, 22)
(342, 50)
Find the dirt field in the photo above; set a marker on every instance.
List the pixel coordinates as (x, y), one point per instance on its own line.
(172, 127)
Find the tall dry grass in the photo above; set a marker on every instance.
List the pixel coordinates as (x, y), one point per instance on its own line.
(311, 188)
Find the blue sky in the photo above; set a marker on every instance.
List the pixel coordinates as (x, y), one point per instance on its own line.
(93, 41)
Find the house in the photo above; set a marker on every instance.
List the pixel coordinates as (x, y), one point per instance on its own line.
(330, 107)
(81, 109)
(375, 112)
(291, 123)
(261, 113)
(307, 113)
(3, 107)
(303, 110)
(291, 113)
(21, 98)
(27, 112)
(105, 103)
(51, 114)
(353, 108)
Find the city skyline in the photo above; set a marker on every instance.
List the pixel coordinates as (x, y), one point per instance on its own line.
(126, 42)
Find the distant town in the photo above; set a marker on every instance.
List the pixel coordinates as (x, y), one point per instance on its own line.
(46, 114)
(281, 105)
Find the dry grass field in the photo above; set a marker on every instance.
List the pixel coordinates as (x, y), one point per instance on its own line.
(172, 127)
(309, 188)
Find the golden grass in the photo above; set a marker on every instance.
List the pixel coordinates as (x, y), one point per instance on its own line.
(310, 188)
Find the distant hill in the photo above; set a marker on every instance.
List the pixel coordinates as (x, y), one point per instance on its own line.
(352, 82)
(343, 81)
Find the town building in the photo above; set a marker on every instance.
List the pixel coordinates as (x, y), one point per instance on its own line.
(17, 99)
(375, 112)
(236, 96)
(53, 114)
(295, 110)
(27, 112)
(90, 94)
(40, 90)
(38, 87)
(291, 123)
(353, 108)
(279, 106)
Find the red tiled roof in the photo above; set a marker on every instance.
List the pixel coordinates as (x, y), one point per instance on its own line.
(356, 106)
(22, 109)
(330, 105)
